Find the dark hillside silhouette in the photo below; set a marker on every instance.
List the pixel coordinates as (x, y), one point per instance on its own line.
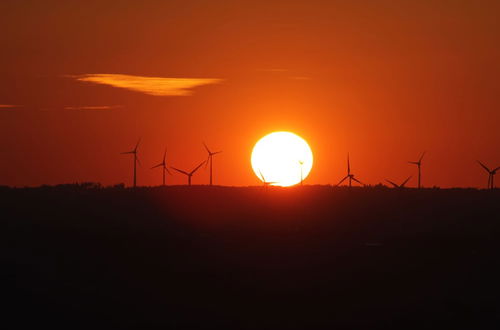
(307, 257)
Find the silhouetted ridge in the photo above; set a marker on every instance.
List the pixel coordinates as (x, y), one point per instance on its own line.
(307, 257)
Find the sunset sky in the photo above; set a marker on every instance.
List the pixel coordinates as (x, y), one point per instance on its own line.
(82, 81)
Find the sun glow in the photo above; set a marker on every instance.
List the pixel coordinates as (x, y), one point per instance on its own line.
(282, 159)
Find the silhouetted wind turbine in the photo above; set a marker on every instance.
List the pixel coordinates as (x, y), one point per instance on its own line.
(491, 174)
(418, 163)
(301, 163)
(399, 185)
(189, 174)
(209, 159)
(163, 166)
(349, 175)
(266, 183)
(136, 160)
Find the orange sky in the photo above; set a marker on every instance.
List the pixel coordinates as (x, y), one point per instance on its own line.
(384, 81)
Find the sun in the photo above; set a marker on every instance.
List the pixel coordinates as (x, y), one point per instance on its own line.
(282, 159)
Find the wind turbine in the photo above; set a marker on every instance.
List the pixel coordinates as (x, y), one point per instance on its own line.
(163, 166)
(491, 175)
(301, 163)
(209, 159)
(418, 163)
(189, 174)
(266, 183)
(399, 185)
(349, 175)
(136, 160)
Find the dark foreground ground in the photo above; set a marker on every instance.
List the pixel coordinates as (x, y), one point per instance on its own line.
(246, 258)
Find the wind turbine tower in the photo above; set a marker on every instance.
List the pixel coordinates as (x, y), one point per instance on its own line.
(419, 164)
(491, 175)
(163, 165)
(210, 160)
(136, 160)
(349, 175)
(301, 163)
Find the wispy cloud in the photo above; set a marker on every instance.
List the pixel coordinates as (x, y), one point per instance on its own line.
(157, 86)
(94, 107)
(8, 106)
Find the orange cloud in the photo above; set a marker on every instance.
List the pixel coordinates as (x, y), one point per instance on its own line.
(156, 86)
(8, 106)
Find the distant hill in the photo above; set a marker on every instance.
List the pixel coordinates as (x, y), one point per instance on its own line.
(311, 257)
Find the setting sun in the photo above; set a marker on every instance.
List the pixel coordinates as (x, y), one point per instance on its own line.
(282, 159)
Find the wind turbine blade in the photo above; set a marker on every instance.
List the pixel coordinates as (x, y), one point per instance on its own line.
(421, 157)
(127, 152)
(406, 181)
(197, 167)
(137, 145)
(414, 163)
(164, 155)
(496, 169)
(484, 166)
(161, 164)
(180, 171)
(348, 165)
(208, 150)
(394, 184)
(217, 152)
(206, 162)
(168, 171)
(138, 161)
(338, 184)
(358, 181)
(262, 177)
